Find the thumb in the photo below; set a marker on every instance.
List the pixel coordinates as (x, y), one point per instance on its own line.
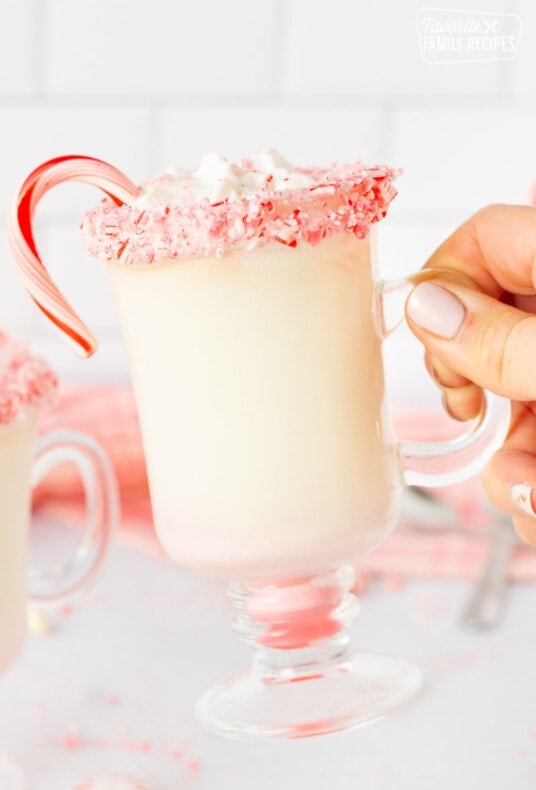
(490, 343)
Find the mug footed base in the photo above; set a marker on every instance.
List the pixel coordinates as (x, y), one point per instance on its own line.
(357, 690)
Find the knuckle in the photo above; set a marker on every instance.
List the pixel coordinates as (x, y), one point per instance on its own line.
(443, 374)
(489, 211)
(464, 402)
(481, 219)
(498, 343)
(494, 478)
(490, 343)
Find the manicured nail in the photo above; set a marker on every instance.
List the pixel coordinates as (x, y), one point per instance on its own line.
(521, 494)
(436, 309)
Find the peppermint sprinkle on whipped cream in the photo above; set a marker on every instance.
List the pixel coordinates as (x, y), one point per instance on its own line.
(222, 205)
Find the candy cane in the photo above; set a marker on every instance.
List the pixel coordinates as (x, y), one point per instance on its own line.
(35, 277)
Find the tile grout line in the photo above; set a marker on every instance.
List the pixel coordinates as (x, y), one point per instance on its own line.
(260, 101)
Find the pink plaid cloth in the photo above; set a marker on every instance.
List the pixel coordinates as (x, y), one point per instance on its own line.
(109, 414)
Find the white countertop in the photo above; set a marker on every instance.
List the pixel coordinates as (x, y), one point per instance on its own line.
(112, 689)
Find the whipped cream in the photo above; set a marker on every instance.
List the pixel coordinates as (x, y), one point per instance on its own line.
(217, 179)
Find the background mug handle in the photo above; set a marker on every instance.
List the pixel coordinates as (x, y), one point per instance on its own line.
(102, 512)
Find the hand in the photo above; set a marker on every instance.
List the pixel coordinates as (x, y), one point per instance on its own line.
(476, 318)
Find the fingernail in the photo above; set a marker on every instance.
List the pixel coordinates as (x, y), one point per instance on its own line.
(435, 309)
(522, 497)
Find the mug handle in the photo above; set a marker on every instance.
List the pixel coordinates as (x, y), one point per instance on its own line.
(102, 512)
(442, 463)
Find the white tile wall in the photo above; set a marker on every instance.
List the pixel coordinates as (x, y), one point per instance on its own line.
(457, 160)
(37, 132)
(404, 245)
(108, 364)
(132, 47)
(82, 279)
(307, 135)
(15, 308)
(525, 63)
(337, 47)
(145, 85)
(17, 39)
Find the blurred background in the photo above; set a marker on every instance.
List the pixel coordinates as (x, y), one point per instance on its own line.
(147, 86)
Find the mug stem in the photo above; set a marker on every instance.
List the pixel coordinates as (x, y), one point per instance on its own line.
(304, 679)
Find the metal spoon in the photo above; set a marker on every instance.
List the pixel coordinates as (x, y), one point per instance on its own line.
(487, 603)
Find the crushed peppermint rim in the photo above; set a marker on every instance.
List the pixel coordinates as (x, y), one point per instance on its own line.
(25, 380)
(243, 207)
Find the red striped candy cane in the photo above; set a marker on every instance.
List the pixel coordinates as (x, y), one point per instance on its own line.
(35, 277)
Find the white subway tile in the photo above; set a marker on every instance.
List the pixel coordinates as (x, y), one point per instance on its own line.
(133, 47)
(16, 308)
(31, 135)
(459, 160)
(525, 62)
(304, 136)
(16, 47)
(86, 286)
(404, 245)
(83, 280)
(107, 365)
(348, 47)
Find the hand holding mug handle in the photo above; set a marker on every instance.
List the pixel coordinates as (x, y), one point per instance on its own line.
(441, 463)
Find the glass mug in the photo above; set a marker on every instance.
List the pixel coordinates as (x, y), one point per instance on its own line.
(25, 460)
(272, 463)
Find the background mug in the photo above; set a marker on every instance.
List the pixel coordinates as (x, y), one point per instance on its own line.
(24, 461)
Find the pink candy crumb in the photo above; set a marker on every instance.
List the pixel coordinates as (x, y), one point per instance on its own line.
(192, 767)
(112, 783)
(71, 742)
